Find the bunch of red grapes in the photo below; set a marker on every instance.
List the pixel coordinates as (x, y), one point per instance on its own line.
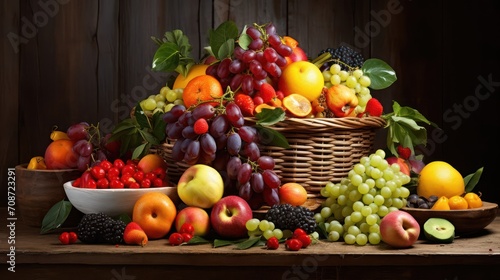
(90, 147)
(249, 68)
(226, 144)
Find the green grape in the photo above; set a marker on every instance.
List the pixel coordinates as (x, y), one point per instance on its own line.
(354, 230)
(346, 211)
(364, 91)
(363, 188)
(356, 216)
(367, 198)
(268, 234)
(343, 75)
(351, 82)
(359, 168)
(376, 173)
(168, 107)
(264, 225)
(335, 68)
(278, 233)
(386, 192)
(356, 179)
(179, 102)
(350, 239)
(158, 110)
(163, 91)
(255, 233)
(171, 96)
(374, 238)
(326, 75)
(375, 228)
(391, 185)
(314, 235)
(318, 218)
(354, 195)
(271, 226)
(374, 207)
(252, 224)
(357, 88)
(371, 219)
(357, 206)
(333, 236)
(361, 239)
(364, 81)
(364, 227)
(397, 202)
(342, 199)
(149, 104)
(160, 104)
(179, 92)
(336, 226)
(357, 73)
(388, 174)
(380, 183)
(334, 79)
(375, 160)
(379, 200)
(160, 97)
(366, 210)
(383, 210)
(396, 193)
(326, 212)
(370, 182)
(324, 192)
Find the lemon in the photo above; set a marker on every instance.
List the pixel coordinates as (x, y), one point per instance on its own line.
(441, 179)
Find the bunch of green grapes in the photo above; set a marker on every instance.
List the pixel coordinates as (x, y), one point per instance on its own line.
(163, 101)
(267, 229)
(354, 79)
(354, 207)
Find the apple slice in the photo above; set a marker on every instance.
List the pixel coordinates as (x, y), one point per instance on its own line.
(438, 230)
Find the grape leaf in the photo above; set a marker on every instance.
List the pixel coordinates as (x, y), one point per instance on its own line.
(471, 180)
(271, 137)
(56, 216)
(166, 57)
(140, 117)
(220, 36)
(140, 150)
(222, 243)
(250, 242)
(197, 240)
(270, 116)
(379, 72)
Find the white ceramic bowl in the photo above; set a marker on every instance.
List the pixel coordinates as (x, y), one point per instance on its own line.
(112, 202)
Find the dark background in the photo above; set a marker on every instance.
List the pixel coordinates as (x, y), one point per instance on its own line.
(68, 61)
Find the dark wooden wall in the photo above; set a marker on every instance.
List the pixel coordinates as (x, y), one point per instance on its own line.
(90, 60)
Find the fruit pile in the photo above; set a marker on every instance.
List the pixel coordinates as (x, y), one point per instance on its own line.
(119, 174)
(79, 147)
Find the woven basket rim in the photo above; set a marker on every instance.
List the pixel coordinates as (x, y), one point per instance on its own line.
(329, 123)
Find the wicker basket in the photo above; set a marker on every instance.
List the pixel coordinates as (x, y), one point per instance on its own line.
(321, 150)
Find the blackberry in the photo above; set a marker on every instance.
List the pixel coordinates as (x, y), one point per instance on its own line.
(100, 228)
(286, 216)
(348, 57)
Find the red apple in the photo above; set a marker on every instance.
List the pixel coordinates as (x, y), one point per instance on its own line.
(341, 100)
(200, 185)
(403, 166)
(399, 229)
(229, 216)
(195, 216)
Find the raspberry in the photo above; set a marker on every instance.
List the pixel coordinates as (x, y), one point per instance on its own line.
(403, 152)
(272, 243)
(374, 108)
(200, 126)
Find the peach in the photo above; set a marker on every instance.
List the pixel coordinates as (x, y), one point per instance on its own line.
(155, 213)
(150, 162)
(195, 216)
(292, 193)
(59, 154)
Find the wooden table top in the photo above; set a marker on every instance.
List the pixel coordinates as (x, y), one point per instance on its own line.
(32, 248)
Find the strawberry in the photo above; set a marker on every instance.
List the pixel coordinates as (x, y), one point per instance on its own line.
(374, 108)
(246, 104)
(200, 126)
(404, 152)
(267, 92)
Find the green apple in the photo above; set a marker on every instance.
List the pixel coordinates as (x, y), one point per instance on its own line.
(201, 186)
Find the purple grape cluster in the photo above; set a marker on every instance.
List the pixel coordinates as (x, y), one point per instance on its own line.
(249, 68)
(228, 145)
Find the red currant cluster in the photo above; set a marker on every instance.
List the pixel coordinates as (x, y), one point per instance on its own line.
(185, 233)
(68, 237)
(300, 239)
(119, 175)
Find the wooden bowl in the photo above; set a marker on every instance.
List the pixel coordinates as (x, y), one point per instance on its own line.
(112, 202)
(38, 190)
(466, 221)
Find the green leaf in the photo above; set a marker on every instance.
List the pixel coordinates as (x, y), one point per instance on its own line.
(140, 150)
(166, 57)
(244, 40)
(197, 240)
(271, 137)
(379, 72)
(220, 36)
(56, 216)
(250, 242)
(146, 135)
(471, 180)
(269, 117)
(222, 243)
(159, 126)
(141, 117)
(124, 218)
(226, 49)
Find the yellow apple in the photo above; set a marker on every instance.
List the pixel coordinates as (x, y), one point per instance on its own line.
(302, 77)
(201, 186)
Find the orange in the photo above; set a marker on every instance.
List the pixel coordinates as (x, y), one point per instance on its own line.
(302, 77)
(196, 70)
(259, 107)
(441, 179)
(60, 155)
(297, 105)
(292, 193)
(155, 213)
(441, 204)
(473, 200)
(457, 202)
(201, 88)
